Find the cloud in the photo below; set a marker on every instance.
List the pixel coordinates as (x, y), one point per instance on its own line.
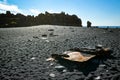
(12, 8)
(4, 6)
(34, 11)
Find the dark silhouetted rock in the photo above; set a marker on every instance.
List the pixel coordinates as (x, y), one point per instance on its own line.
(89, 24)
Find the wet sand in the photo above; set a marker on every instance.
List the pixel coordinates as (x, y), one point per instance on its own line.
(23, 53)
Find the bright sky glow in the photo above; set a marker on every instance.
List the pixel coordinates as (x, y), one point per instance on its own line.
(99, 12)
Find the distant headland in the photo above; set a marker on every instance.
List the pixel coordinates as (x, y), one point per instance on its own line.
(19, 20)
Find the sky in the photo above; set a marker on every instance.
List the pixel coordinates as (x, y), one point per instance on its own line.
(99, 12)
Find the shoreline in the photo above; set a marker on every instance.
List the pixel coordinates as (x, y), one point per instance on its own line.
(104, 27)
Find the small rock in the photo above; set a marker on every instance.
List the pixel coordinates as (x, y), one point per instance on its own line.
(36, 37)
(59, 67)
(102, 65)
(64, 70)
(50, 59)
(47, 40)
(50, 29)
(44, 35)
(43, 38)
(99, 46)
(29, 40)
(51, 64)
(107, 70)
(98, 78)
(51, 34)
(33, 58)
(52, 75)
(67, 40)
(66, 52)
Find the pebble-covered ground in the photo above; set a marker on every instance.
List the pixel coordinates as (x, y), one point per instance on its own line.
(23, 53)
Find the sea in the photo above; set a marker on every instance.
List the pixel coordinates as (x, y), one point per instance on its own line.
(108, 26)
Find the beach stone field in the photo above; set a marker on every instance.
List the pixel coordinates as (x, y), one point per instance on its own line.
(24, 50)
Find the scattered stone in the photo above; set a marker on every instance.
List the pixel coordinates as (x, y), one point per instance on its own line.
(66, 39)
(33, 58)
(64, 70)
(59, 67)
(98, 78)
(52, 75)
(51, 34)
(44, 35)
(43, 38)
(99, 46)
(102, 65)
(66, 52)
(107, 70)
(51, 64)
(50, 29)
(50, 59)
(36, 37)
(47, 40)
(29, 40)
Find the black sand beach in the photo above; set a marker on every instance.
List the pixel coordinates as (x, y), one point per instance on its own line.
(23, 53)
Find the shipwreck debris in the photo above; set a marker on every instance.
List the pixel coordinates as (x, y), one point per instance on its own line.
(85, 60)
(76, 54)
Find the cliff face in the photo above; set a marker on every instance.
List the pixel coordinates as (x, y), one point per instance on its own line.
(19, 20)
